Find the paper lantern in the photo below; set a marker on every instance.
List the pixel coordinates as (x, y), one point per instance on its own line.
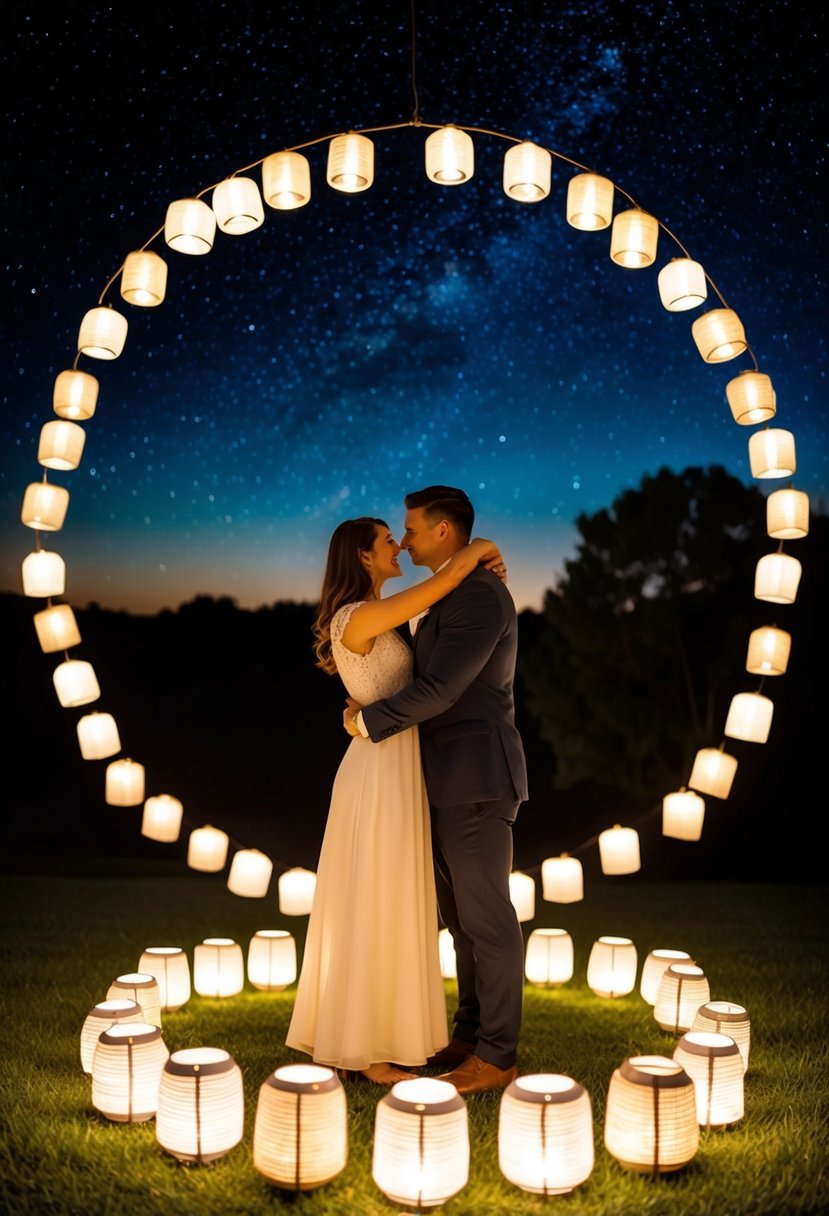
(98, 736)
(75, 683)
(75, 395)
(272, 959)
(589, 202)
(549, 957)
(450, 156)
(296, 891)
(140, 986)
(218, 967)
(714, 1064)
(633, 239)
(771, 453)
(545, 1134)
(190, 226)
(713, 772)
(611, 967)
(527, 172)
(749, 717)
(619, 850)
(124, 783)
(682, 989)
(126, 1071)
(162, 818)
(44, 574)
(751, 397)
(207, 849)
(300, 1134)
(237, 205)
(787, 514)
(44, 506)
(719, 335)
(100, 1018)
(171, 969)
(350, 163)
(651, 1118)
(724, 1017)
(522, 894)
(421, 1143)
(682, 285)
(286, 180)
(777, 578)
(654, 968)
(447, 956)
(682, 815)
(102, 334)
(144, 279)
(250, 873)
(201, 1104)
(61, 444)
(562, 879)
(768, 651)
(56, 628)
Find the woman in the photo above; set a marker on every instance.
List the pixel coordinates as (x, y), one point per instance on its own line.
(370, 995)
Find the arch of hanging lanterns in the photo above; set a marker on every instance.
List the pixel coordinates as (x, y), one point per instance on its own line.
(236, 207)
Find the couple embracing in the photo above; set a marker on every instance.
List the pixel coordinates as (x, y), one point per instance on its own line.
(422, 808)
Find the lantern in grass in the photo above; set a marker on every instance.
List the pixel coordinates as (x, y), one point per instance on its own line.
(713, 772)
(549, 957)
(44, 574)
(102, 334)
(682, 988)
(126, 1071)
(75, 683)
(768, 651)
(522, 895)
(650, 1122)
(56, 628)
(714, 1064)
(75, 395)
(777, 578)
(218, 967)
(787, 514)
(140, 986)
(350, 167)
(589, 202)
(207, 849)
(421, 1143)
(619, 850)
(749, 717)
(44, 506)
(272, 959)
(654, 968)
(171, 968)
(201, 1104)
(98, 736)
(100, 1018)
(446, 954)
(611, 967)
(124, 784)
(296, 891)
(682, 815)
(190, 226)
(300, 1135)
(562, 879)
(250, 873)
(545, 1134)
(725, 1017)
(61, 444)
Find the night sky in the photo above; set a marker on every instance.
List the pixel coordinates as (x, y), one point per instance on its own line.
(367, 344)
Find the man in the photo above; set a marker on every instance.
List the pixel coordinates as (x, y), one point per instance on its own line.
(473, 761)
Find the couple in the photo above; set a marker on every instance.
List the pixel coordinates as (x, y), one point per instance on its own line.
(404, 839)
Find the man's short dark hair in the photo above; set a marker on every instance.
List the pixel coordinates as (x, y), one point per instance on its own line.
(444, 502)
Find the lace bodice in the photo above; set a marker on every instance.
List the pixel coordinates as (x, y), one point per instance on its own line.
(369, 677)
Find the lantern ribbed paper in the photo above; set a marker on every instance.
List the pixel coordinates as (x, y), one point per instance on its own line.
(522, 894)
(777, 578)
(124, 783)
(44, 574)
(562, 879)
(421, 1143)
(749, 717)
(100, 1018)
(651, 1119)
(207, 849)
(682, 815)
(296, 891)
(201, 1104)
(771, 453)
(682, 285)
(56, 628)
(654, 968)
(237, 205)
(218, 967)
(682, 989)
(140, 986)
(75, 683)
(751, 398)
(300, 1135)
(545, 1134)
(171, 969)
(286, 180)
(619, 850)
(350, 165)
(126, 1071)
(61, 444)
(190, 226)
(162, 818)
(611, 967)
(446, 954)
(44, 506)
(272, 959)
(787, 514)
(450, 156)
(75, 395)
(549, 957)
(589, 202)
(98, 736)
(713, 772)
(527, 172)
(102, 334)
(768, 651)
(714, 1064)
(633, 239)
(719, 335)
(250, 873)
(724, 1017)
(144, 279)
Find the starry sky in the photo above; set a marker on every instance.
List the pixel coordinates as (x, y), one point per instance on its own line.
(365, 345)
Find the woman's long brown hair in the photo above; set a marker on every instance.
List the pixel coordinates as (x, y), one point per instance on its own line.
(345, 581)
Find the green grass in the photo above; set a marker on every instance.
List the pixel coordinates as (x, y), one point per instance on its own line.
(65, 938)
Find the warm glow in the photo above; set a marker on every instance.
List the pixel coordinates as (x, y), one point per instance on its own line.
(724, 1017)
(296, 891)
(562, 879)
(190, 226)
(98, 736)
(100, 1018)
(171, 969)
(144, 279)
(250, 873)
(124, 783)
(545, 1134)
(682, 815)
(201, 1104)
(611, 967)
(75, 395)
(421, 1143)
(619, 850)
(682, 285)
(237, 205)
(682, 989)
(102, 334)
(44, 574)
(126, 1071)
(44, 506)
(272, 963)
(633, 239)
(300, 1137)
(522, 894)
(650, 1119)
(713, 772)
(549, 957)
(207, 849)
(218, 967)
(654, 968)
(714, 1064)
(140, 986)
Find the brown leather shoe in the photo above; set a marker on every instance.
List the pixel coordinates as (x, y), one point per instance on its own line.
(476, 1074)
(453, 1054)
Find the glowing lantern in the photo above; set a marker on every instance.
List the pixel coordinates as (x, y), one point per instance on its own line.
(300, 1135)
(201, 1104)
(651, 1118)
(102, 334)
(589, 202)
(768, 651)
(450, 156)
(190, 226)
(777, 578)
(126, 1071)
(611, 967)
(527, 172)
(237, 205)
(724, 1017)
(714, 1064)
(171, 969)
(682, 815)
(98, 736)
(751, 398)
(633, 239)
(549, 957)
(682, 285)
(44, 574)
(296, 891)
(100, 1018)
(522, 894)
(140, 986)
(272, 959)
(144, 279)
(124, 783)
(421, 1143)
(719, 335)
(562, 879)
(44, 506)
(56, 628)
(713, 772)
(771, 453)
(286, 180)
(545, 1134)
(787, 514)
(619, 850)
(654, 968)
(61, 444)
(207, 849)
(446, 954)
(250, 873)
(218, 967)
(682, 989)
(75, 683)
(749, 717)
(75, 395)
(350, 163)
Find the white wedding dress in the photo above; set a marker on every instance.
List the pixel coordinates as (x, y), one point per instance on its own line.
(370, 988)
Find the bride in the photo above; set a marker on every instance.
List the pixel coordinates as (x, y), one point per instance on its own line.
(370, 994)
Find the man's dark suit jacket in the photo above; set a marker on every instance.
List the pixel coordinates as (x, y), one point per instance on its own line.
(462, 696)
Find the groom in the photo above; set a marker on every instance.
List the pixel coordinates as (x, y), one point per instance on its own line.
(473, 761)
